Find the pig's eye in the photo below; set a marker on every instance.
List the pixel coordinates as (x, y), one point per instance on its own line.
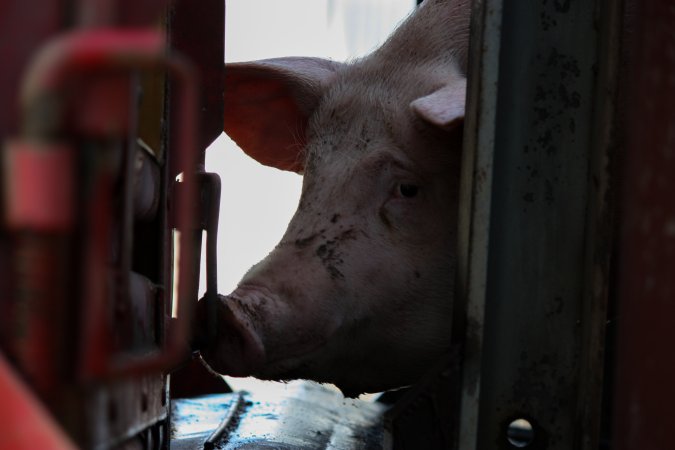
(408, 190)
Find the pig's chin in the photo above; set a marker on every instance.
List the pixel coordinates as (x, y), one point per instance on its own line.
(237, 350)
(351, 382)
(350, 388)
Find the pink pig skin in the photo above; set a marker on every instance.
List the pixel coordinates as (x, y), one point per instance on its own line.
(359, 291)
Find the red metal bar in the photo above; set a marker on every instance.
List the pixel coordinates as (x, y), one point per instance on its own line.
(39, 186)
(645, 392)
(24, 423)
(207, 16)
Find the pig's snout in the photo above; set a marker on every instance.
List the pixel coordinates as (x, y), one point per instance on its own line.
(227, 342)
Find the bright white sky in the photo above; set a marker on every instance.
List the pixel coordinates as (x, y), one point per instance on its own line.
(257, 201)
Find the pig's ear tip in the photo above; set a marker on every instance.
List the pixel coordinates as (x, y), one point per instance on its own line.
(443, 108)
(444, 116)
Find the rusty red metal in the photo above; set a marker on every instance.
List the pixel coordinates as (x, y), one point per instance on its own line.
(644, 392)
(24, 423)
(36, 323)
(113, 51)
(24, 27)
(39, 186)
(97, 13)
(40, 212)
(84, 55)
(78, 60)
(42, 182)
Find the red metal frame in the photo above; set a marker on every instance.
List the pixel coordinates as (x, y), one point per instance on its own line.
(91, 54)
(24, 423)
(44, 178)
(77, 89)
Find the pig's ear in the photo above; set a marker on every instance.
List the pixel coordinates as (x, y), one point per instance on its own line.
(444, 107)
(268, 103)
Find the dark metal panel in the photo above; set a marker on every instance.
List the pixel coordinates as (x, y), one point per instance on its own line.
(24, 27)
(536, 175)
(540, 198)
(197, 30)
(103, 415)
(644, 392)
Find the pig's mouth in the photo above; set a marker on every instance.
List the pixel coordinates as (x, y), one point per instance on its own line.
(305, 367)
(253, 342)
(236, 349)
(257, 346)
(290, 366)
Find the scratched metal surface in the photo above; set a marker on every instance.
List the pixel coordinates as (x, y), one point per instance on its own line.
(309, 416)
(536, 266)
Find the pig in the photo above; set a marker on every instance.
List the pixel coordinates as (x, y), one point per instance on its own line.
(359, 290)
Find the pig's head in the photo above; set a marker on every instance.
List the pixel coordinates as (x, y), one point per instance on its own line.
(358, 292)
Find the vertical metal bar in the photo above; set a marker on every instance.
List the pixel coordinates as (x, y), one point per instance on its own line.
(474, 220)
(190, 23)
(534, 225)
(592, 415)
(209, 18)
(535, 284)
